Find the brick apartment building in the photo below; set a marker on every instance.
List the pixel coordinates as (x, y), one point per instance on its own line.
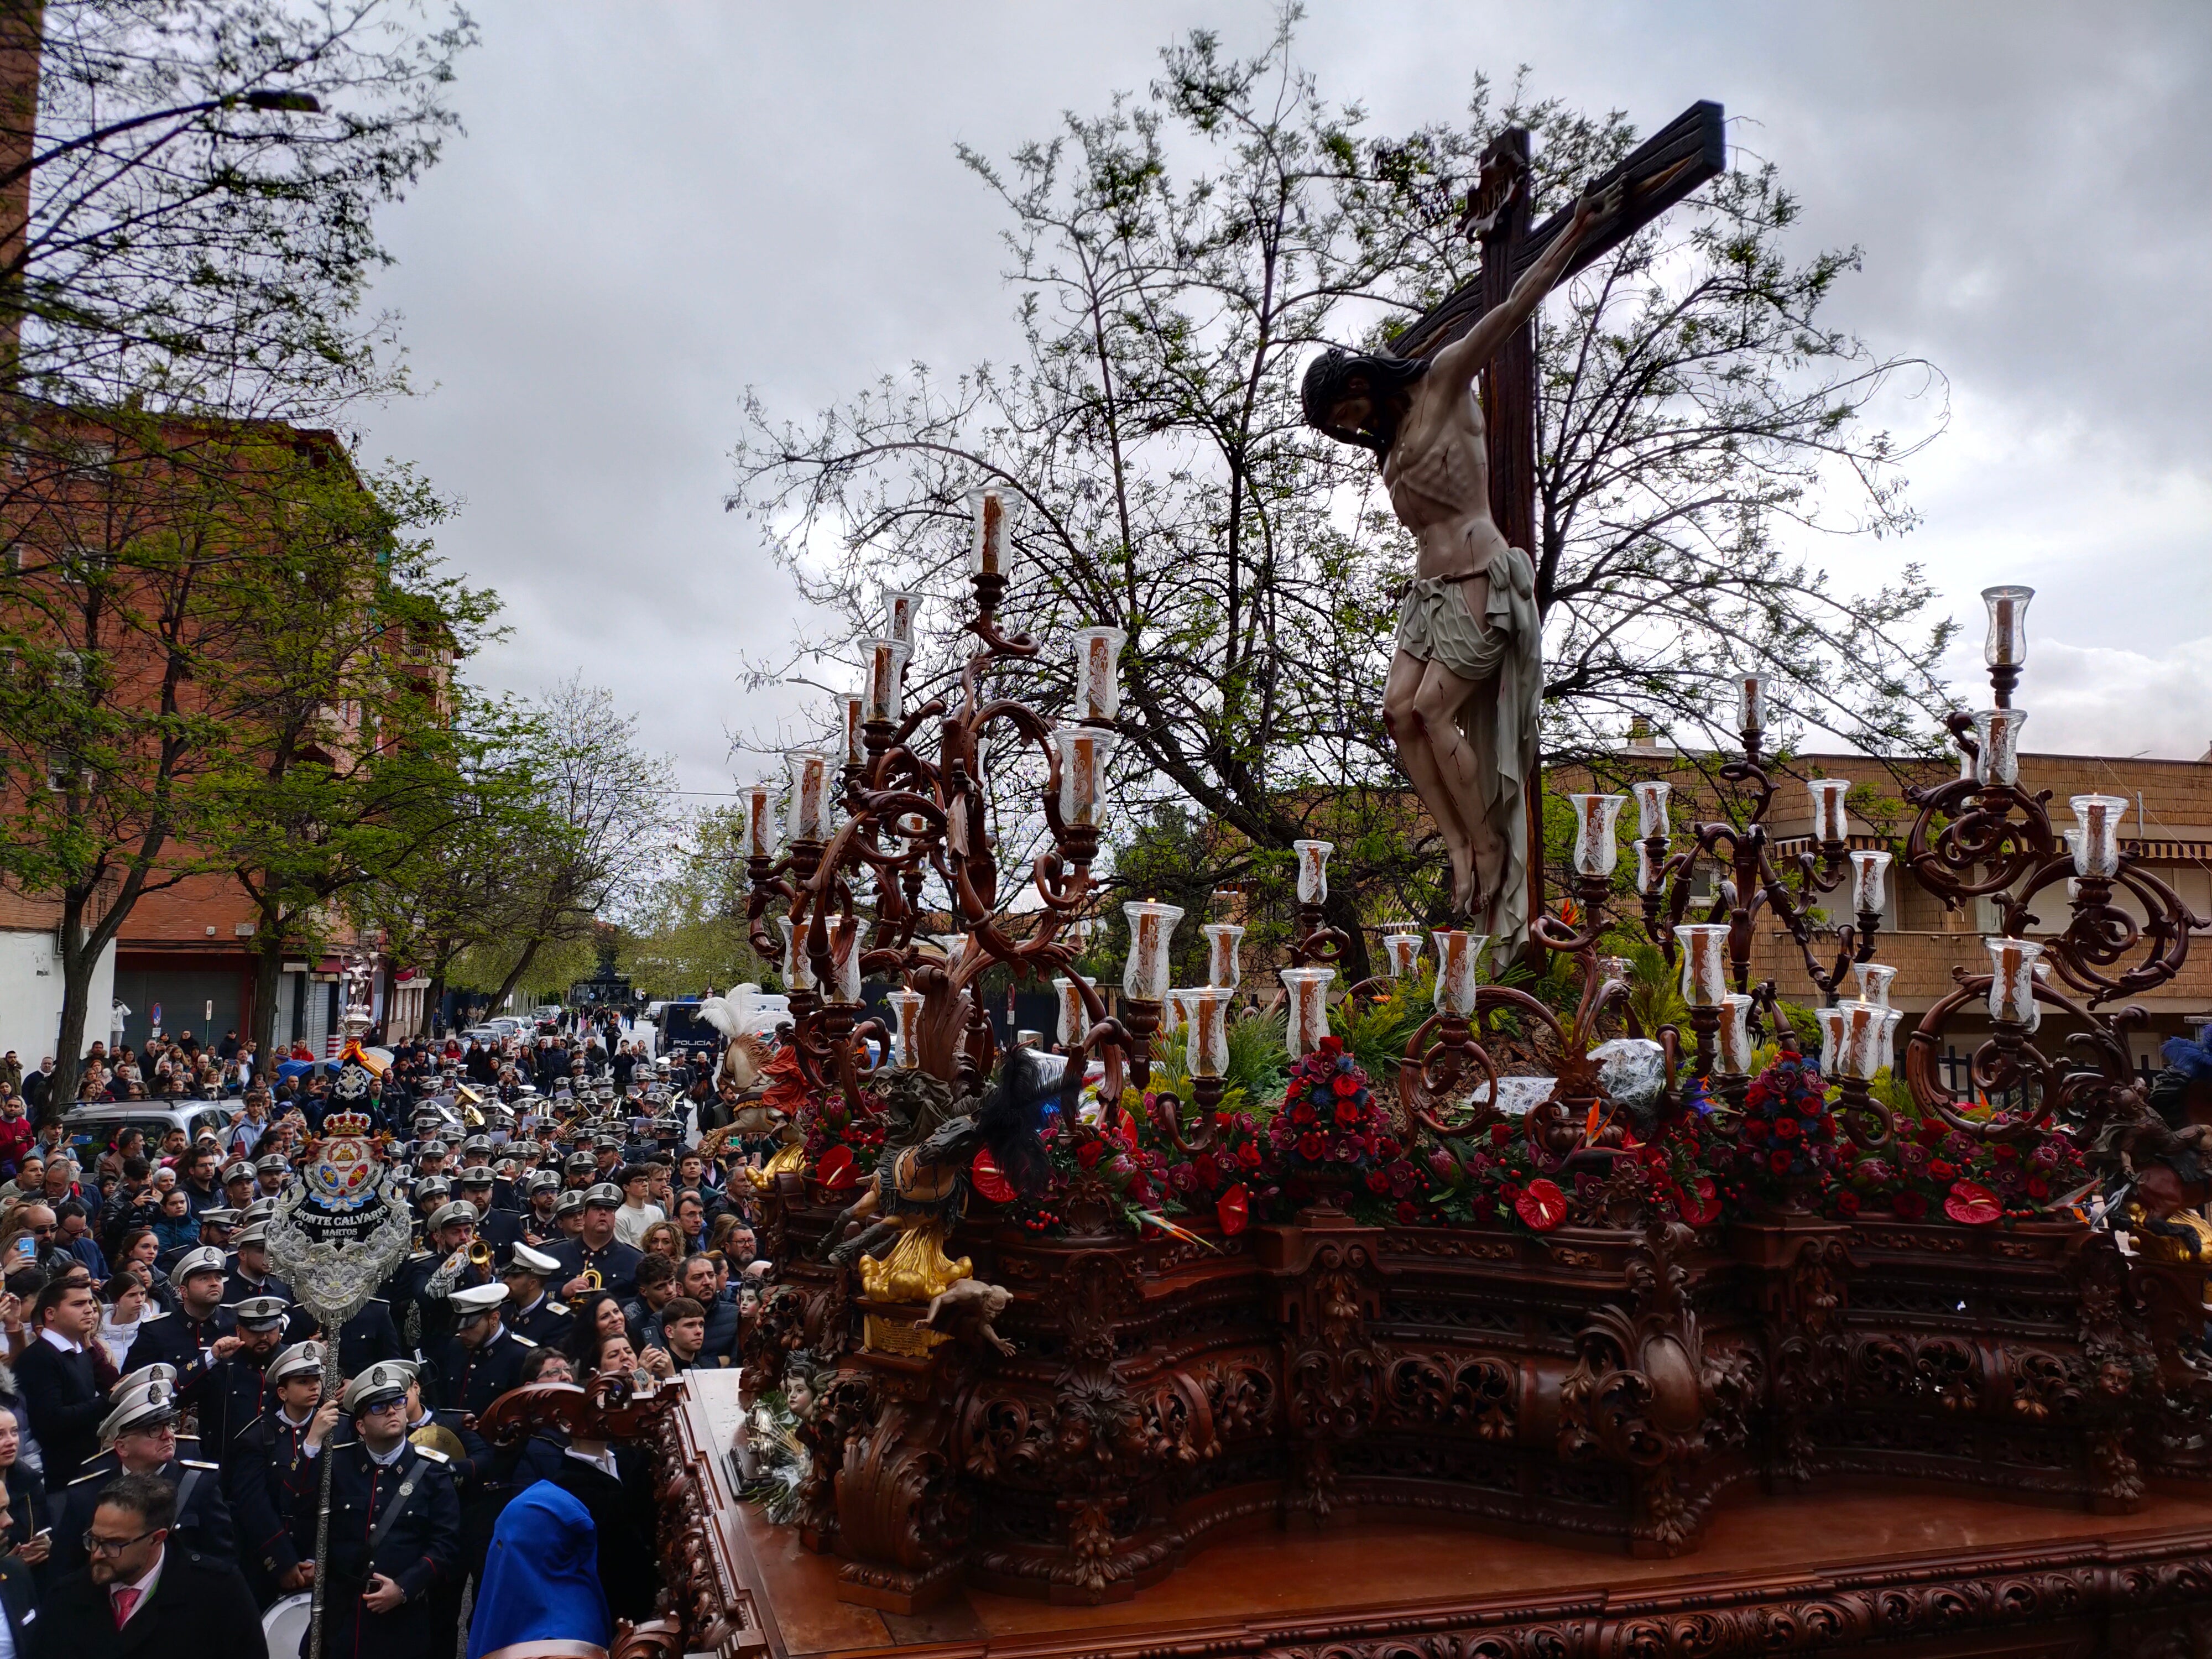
(184, 957)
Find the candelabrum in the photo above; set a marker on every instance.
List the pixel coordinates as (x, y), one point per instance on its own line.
(1982, 837)
(862, 832)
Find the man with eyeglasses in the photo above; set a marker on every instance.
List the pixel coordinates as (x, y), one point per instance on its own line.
(141, 1437)
(141, 1587)
(395, 1528)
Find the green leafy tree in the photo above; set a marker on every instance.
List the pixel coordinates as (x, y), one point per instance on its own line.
(687, 931)
(1176, 260)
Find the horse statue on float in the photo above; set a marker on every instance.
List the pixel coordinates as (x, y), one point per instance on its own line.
(924, 1184)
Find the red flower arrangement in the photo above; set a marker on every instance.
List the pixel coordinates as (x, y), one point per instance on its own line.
(1787, 1137)
(1328, 1132)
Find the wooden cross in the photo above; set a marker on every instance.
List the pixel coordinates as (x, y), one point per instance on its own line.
(1664, 168)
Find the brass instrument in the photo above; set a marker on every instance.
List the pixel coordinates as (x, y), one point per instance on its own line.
(470, 1100)
(594, 1279)
(437, 1437)
(480, 1255)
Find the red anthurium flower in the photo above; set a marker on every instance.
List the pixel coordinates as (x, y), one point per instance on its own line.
(1700, 1206)
(1541, 1205)
(983, 1175)
(1972, 1204)
(1233, 1209)
(835, 1167)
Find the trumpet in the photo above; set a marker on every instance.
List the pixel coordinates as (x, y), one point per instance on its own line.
(594, 1280)
(480, 1255)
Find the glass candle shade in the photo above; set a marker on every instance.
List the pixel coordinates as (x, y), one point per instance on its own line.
(845, 943)
(905, 1027)
(852, 710)
(991, 548)
(1206, 1029)
(1223, 971)
(1704, 963)
(1306, 992)
(885, 686)
(1097, 673)
(1313, 869)
(1831, 823)
(1073, 1024)
(2006, 645)
(2096, 836)
(1084, 752)
(1647, 867)
(1735, 1048)
(1595, 850)
(1874, 983)
(1152, 927)
(901, 609)
(1967, 764)
(760, 820)
(1751, 702)
(1861, 1050)
(1401, 954)
(2012, 981)
(1998, 729)
(1869, 882)
(812, 775)
(797, 970)
(1459, 970)
(1832, 1039)
(1650, 807)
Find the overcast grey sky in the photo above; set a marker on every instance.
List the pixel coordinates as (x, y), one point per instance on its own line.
(661, 202)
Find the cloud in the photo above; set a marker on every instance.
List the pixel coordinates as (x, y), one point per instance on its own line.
(655, 207)
(2103, 700)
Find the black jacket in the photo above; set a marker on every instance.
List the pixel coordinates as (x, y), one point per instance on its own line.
(622, 1511)
(420, 1551)
(200, 1609)
(203, 1522)
(67, 1406)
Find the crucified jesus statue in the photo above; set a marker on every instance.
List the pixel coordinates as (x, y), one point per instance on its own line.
(1462, 699)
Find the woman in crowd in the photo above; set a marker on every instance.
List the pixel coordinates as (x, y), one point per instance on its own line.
(598, 1314)
(122, 1310)
(662, 1238)
(25, 1495)
(176, 1228)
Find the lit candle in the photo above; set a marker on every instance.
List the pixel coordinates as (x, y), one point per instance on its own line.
(1832, 1040)
(1306, 991)
(1074, 1021)
(1152, 927)
(1998, 729)
(906, 1021)
(902, 606)
(1223, 971)
(2007, 644)
(1860, 1050)
(1084, 752)
(1459, 970)
(1869, 882)
(760, 820)
(1651, 806)
(2012, 981)
(1596, 851)
(1751, 702)
(844, 959)
(1206, 1029)
(1402, 952)
(886, 678)
(1736, 1043)
(1097, 679)
(812, 771)
(991, 550)
(1831, 823)
(852, 709)
(2096, 837)
(798, 971)
(1313, 869)
(1705, 962)
(1874, 983)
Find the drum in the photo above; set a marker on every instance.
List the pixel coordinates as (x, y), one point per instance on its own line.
(284, 1626)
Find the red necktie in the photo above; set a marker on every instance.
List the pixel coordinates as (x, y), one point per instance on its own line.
(125, 1599)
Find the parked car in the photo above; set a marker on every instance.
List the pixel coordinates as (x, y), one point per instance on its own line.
(101, 1122)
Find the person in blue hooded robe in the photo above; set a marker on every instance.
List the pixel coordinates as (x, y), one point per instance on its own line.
(541, 1582)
